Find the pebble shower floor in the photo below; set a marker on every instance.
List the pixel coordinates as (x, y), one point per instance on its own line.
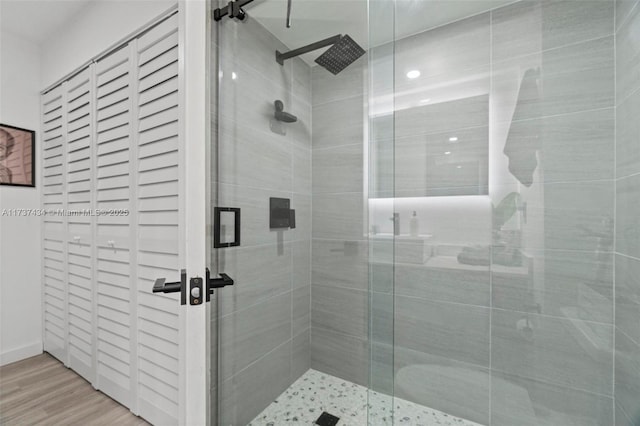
(314, 392)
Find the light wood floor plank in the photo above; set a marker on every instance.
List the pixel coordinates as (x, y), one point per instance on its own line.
(42, 391)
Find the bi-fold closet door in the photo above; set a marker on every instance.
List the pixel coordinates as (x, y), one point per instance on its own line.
(111, 151)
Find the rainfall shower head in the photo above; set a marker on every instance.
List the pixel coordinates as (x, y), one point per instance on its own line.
(343, 52)
(340, 55)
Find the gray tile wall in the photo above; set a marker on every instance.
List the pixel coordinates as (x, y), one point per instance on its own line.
(264, 320)
(339, 269)
(627, 256)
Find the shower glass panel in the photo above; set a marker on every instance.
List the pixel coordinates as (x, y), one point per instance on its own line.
(427, 229)
(504, 177)
(291, 337)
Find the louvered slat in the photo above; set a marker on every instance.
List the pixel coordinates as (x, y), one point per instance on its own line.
(113, 124)
(54, 253)
(78, 182)
(157, 217)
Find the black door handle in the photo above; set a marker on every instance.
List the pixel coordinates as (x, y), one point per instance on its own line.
(213, 283)
(161, 286)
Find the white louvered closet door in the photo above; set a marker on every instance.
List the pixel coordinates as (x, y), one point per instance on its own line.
(158, 230)
(111, 144)
(115, 276)
(54, 226)
(79, 185)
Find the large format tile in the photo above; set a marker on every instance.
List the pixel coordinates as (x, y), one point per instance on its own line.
(623, 10)
(247, 393)
(239, 165)
(301, 275)
(442, 383)
(249, 44)
(568, 352)
(299, 133)
(463, 44)
(628, 136)
(249, 97)
(628, 296)
(338, 169)
(259, 272)
(342, 310)
(301, 83)
(516, 30)
(622, 418)
(343, 356)
(577, 146)
(443, 117)
(627, 217)
(558, 283)
(339, 216)
(301, 169)
(340, 263)
(627, 386)
(339, 122)
(463, 284)
(301, 309)
(249, 334)
(577, 216)
(350, 82)
(530, 26)
(454, 331)
(573, 78)
(301, 203)
(570, 21)
(523, 402)
(628, 56)
(578, 77)
(300, 353)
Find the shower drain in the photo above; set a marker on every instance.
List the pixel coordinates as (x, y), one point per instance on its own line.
(327, 419)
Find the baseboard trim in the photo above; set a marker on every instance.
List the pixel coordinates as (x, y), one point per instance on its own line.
(20, 353)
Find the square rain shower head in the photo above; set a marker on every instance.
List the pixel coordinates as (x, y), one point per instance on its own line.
(340, 55)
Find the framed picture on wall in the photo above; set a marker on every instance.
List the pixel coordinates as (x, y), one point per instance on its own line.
(17, 150)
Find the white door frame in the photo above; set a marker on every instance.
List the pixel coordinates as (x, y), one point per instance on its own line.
(193, 319)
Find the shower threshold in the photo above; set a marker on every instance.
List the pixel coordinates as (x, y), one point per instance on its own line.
(315, 392)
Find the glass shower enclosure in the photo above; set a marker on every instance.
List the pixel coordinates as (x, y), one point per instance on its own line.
(438, 212)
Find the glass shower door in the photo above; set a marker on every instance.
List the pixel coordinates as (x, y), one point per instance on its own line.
(503, 210)
(291, 336)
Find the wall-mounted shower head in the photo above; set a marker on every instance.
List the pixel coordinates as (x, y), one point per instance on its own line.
(280, 115)
(343, 52)
(340, 55)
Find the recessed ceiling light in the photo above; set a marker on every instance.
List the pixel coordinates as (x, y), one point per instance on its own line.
(234, 75)
(413, 74)
(425, 101)
(453, 139)
(459, 167)
(447, 152)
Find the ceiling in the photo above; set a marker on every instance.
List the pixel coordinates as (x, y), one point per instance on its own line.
(314, 20)
(37, 20)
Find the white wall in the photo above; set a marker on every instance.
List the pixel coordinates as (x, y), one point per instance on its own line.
(20, 289)
(94, 29)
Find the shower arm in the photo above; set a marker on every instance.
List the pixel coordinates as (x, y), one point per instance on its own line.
(289, 14)
(281, 57)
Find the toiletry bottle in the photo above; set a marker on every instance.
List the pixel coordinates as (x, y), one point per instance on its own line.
(414, 226)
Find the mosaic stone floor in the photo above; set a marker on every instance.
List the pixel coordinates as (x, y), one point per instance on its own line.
(315, 392)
